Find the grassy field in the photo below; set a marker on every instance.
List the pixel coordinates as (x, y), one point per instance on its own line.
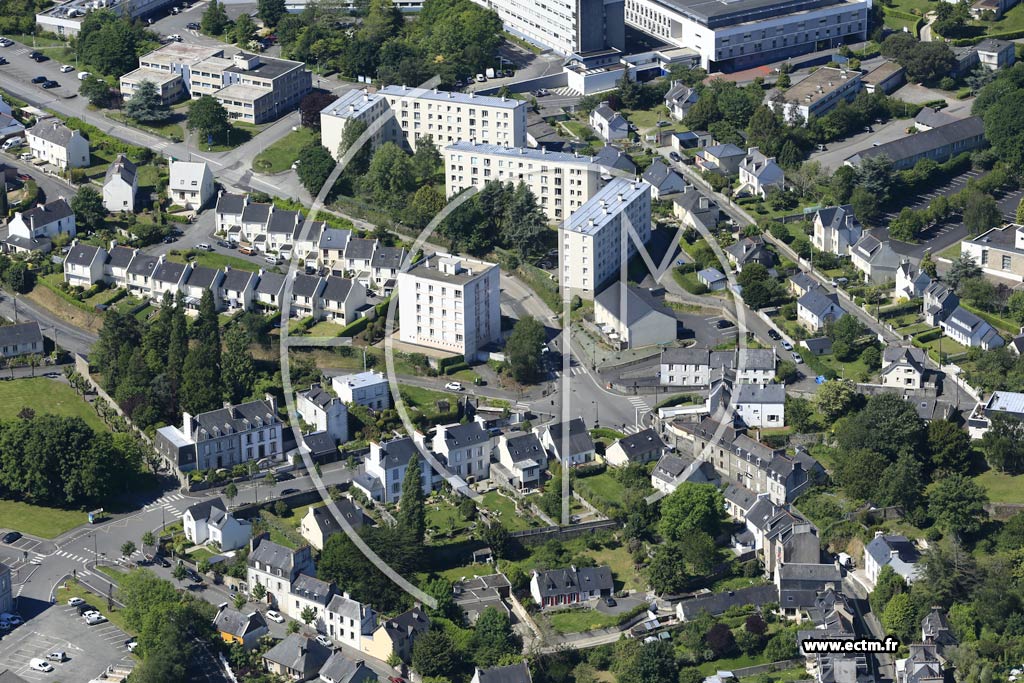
(621, 563)
(506, 511)
(1001, 487)
(581, 620)
(951, 252)
(213, 260)
(38, 520)
(425, 400)
(282, 154)
(1004, 325)
(577, 129)
(606, 486)
(172, 130)
(444, 519)
(854, 369)
(1013, 20)
(325, 328)
(647, 119)
(45, 396)
(113, 572)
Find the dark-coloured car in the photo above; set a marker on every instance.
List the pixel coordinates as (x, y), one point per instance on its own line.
(288, 492)
(3, 60)
(37, 56)
(50, 84)
(773, 334)
(723, 324)
(674, 156)
(192, 26)
(610, 601)
(39, 79)
(162, 561)
(11, 536)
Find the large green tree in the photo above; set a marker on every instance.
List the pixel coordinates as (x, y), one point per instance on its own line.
(111, 44)
(493, 638)
(215, 19)
(690, 508)
(208, 117)
(836, 399)
(89, 210)
(523, 349)
(390, 178)
(957, 504)
(315, 165)
(146, 105)
(238, 367)
(434, 654)
(412, 516)
(271, 11)
(96, 90)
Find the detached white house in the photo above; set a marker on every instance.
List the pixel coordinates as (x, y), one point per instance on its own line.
(759, 174)
(53, 142)
(191, 184)
(368, 389)
(580, 446)
(836, 230)
(910, 282)
(761, 405)
(966, 328)
(609, 124)
(120, 185)
(210, 522)
(323, 411)
(21, 340)
(32, 230)
(817, 308)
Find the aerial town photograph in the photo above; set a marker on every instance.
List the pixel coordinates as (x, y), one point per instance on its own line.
(512, 341)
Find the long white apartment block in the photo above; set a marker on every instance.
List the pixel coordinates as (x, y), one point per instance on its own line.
(450, 303)
(591, 238)
(444, 116)
(743, 33)
(565, 26)
(562, 182)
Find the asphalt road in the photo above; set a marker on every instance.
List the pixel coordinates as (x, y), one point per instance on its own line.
(836, 152)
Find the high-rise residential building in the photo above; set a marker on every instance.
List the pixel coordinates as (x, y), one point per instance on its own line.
(418, 112)
(450, 303)
(561, 182)
(566, 26)
(745, 33)
(592, 237)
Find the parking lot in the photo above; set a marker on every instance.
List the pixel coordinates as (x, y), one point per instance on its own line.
(90, 649)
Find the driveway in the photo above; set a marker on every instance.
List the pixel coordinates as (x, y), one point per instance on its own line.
(836, 152)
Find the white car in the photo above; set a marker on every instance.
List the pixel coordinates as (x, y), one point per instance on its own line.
(67, 69)
(786, 345)
(75, 602)
(82, 75)
(275, 616)
(132, 644)
(37, 664)
(797, 358)
(174, 37)
(453, 386)
(324, 640)
(91, 613)
(95, 619)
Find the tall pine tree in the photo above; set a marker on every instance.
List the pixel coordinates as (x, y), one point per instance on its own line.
(238, 369)
(412, 516)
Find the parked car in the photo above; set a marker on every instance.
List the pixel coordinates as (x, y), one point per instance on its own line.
(3, 60)
(174, 37)
(37, 56)
(674, 156)
(57, 656)
(797, 358)
(95, 619)
(275, 616)
(12, 619)
(37, 664)
(192, 26)
(324, 640)
(773, 334)
(724, 324)
(162, 561)
(50, 84)
(203, 246)
(6, 42)
(11, 143)
(610, 601)
(453, 386)
(84, 608)
(480, 78)
(66, 68)
(11, 536)
(75, 602)
(82, 75)
(288, 492)
(131, 644)
(39, 79)
(786, 345)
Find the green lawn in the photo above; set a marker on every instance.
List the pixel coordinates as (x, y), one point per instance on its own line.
(172, 130)
(741, 662)
(1004, 325)
(1013, 20)
(213, 260)
(577, 129)
(325, 328)
(113, 572)
(282, 154)
(581, 620)
(506, 511)
(425, 400)
(605, 485)
(38, 520)
(951, 252)
(854, 369)
(1001, 487)
(45, 396)
(444, 520)
(923, 6)
(621, 563)
(36, 41)
(948, 347)
(647, 119)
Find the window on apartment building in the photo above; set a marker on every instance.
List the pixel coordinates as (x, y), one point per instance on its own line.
(1006, 262)
(984, 256)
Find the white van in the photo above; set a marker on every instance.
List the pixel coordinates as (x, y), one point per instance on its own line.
(11, 143)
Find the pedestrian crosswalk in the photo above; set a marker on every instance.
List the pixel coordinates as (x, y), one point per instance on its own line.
(72, 556)
(639, 402)
(564, 92)
(574, 371)
(174, 503)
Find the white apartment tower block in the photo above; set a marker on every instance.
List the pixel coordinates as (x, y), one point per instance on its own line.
(562, 182)
(450, 303)
(593, 236)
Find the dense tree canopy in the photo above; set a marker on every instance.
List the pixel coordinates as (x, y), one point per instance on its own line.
(110, 44)
(523, 349)
(691, 508)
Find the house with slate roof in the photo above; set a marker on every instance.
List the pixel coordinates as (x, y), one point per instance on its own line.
(319, 523)
(750, 250)
(799, 584)
(609, 124)
(894, 551)
(190, 184)
(120, 185)
(724, 159)
(119, 259)
(760, 405)
(968, 329)
(679, 99)
(210, 522)
(935, 629)
(513, 673)
(237, 289)
(276, 567)
(631, 318)
(349, 621)
(340, 669)
(269, 289)
(307, 299)
(800, 283)
(236, 627)
(358, 257)
(323, 411)
(384, 267)
(759, 174)
(580, 446)
(297, 657)
(83, 266)
(53, 142)
(385, 466)
(200, 280)
(696, 210)
(465, 449)
(33, 229)
(836, 230)
(922, 665)
(717, 604)
(168, 277)
(396, 636)
(674, 469)
(641, 448)
(342, 299)
(572, 586)
(611, 159)
(663, 179)
(910, 281)
(21, 340)
(817, 308)
(523, 458)
(903, 367)
(308, 593)
(140, 274)
(876, 258)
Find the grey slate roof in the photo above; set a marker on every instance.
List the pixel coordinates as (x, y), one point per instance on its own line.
(726, 150)
(337, 288)
(143, 264)
(396, 453)
(911, 145)
(318, 396)
(334, 238)
(756, 359)
(312, 589)
(567, 581)
(299, 653)
(359, 248)
(759, 393)
(407, 625)
(718, 603)
(328, 525)
(904, 354)
(47, 213)
(803, 281)
(514, 673)
(256, 213)
(275, 555)
(306, 285)
(670, 466)
(579, 437)
(341, 669)
(204, 509)
(81, 255)
(659, 173)
(469, 434)
(232, 621)
(236, 280)
(692, 355)
(613, 157)
(817, 301)
(52, 130)
(237, 418)
(642, 442)
(270, 283)
(818, 345)
(525, 447)
(345, 607)
(169, 271)
(203, 277)
(751, 249)
(319, 444)
(283, 221)
(23, 333)
(230, 203)
(120, 257)
(121, 167)
(881, 548)
(638, 307)
(388, 257)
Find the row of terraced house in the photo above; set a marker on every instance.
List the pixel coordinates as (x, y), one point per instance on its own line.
(150, 277)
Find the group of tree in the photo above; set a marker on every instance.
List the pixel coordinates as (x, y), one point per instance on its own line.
(451, 39)
(111, 44)
(499, 215)
(724, 109)
(146, 105)
(209, 118)
(523, 350)
(155, 371)
(927, 62)
(999, 104)
(760, 289)
(16, 274)
(446, 651)
(691, 518)
(887, 455)
(171, 626)
(61, 461)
